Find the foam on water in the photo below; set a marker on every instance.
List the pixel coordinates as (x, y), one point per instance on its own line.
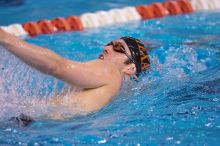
(25, 90)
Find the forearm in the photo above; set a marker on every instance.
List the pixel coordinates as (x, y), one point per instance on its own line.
(35, 56)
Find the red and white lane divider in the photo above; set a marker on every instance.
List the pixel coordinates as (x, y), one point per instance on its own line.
(103, 18)
(113, 16)
(15, 29)
(204, 5)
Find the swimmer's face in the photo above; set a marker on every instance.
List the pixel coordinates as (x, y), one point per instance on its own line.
(116, 52)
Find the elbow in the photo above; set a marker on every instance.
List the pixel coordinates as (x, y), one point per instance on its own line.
(52, 69)
(55, 68)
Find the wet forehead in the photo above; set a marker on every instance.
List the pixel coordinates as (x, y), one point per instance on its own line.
(123, 44)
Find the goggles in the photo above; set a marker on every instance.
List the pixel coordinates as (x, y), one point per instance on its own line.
(118, 47)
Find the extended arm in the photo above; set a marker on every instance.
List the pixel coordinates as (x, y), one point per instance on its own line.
(87, 75)
(40, 58)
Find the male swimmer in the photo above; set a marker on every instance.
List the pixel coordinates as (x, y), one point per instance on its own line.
(100, 79)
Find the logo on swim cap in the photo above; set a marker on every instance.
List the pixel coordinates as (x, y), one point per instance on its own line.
(138, 53)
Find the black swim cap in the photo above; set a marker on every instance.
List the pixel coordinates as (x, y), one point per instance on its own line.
(138, 53)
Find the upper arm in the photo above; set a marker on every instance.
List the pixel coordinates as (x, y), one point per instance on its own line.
(86, 75)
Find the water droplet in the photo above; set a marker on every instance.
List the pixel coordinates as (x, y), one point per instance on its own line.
(208, 124)
(157, 22)
(169, 138)
(215, 99)
(8, 129)
(56, 139)
(102, 141)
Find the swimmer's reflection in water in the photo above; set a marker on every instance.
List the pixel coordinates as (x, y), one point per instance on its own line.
(100, 79)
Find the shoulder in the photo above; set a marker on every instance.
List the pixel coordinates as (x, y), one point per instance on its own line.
(101, 67)
(91, 74)
(104, 68)
(109, 72)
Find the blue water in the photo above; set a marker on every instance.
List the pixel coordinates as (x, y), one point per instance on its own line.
(177, 102)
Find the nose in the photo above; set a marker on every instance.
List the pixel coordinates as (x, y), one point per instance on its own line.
(107, 49)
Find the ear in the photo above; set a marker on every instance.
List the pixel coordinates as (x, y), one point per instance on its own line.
(129, 69)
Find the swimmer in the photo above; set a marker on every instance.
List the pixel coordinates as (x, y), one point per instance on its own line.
(100, 79)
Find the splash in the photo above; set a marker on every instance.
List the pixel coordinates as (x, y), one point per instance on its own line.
(25, 90)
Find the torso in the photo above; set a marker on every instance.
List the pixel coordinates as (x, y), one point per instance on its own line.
(89, 100)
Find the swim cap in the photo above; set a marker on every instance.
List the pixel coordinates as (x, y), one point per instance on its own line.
(138, 53)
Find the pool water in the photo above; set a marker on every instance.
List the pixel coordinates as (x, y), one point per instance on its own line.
(177, 102)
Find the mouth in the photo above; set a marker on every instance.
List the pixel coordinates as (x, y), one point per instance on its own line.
(101, 56)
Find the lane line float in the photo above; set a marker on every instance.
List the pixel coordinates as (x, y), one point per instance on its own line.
(113, 16)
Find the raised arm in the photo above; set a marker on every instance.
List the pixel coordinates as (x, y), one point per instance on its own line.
(87, 75)
(40, 58)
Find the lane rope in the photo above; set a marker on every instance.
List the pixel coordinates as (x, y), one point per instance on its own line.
(113, 16)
